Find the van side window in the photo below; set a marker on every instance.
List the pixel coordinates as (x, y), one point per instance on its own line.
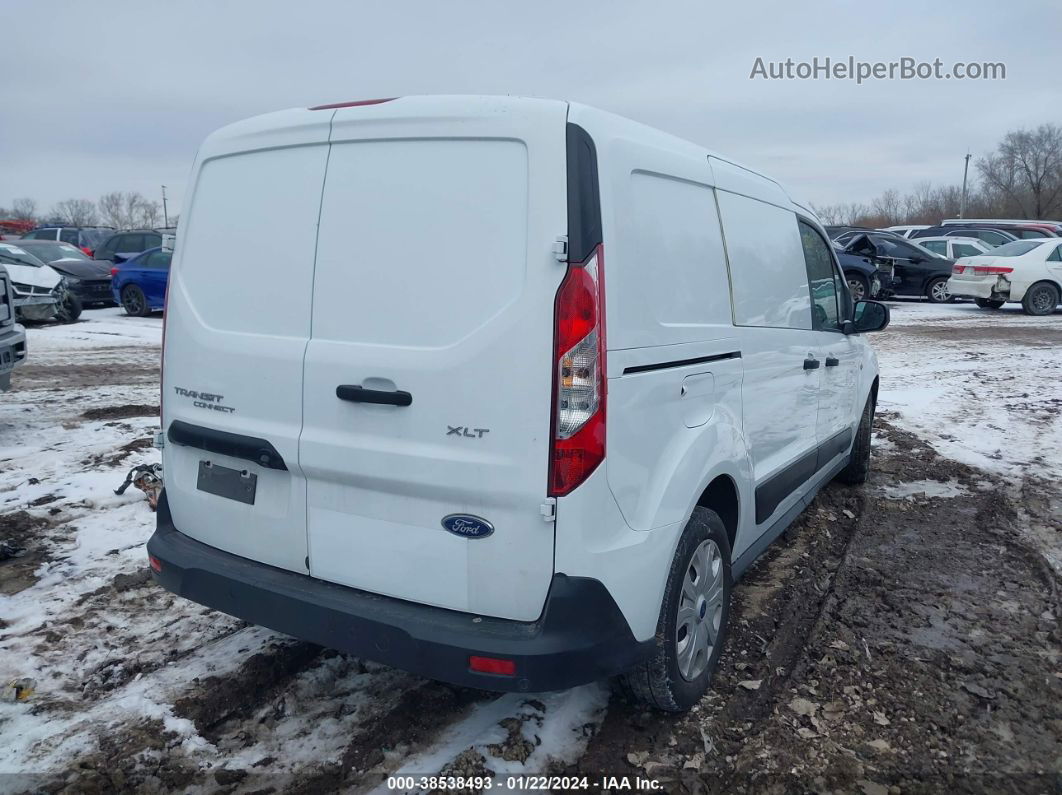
(768, 277)
(823, 279)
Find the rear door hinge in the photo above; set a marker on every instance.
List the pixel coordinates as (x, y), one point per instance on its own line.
(560, 248)
(549, 509)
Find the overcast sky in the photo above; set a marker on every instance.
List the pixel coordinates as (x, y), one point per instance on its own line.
(112, 95)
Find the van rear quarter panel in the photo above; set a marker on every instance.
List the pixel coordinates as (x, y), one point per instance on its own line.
(674, 427)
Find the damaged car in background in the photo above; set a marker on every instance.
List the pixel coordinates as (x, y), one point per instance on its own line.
(915, 271)
(865, 277)
(89, 279)
(40, 292)
(1025, 271)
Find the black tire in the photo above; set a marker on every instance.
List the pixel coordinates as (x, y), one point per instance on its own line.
(134, 302)
(658, 682)
(858, 286)
(988, 303)
(937, 290)
(69, 310)
(858, 468)
(1040, 299)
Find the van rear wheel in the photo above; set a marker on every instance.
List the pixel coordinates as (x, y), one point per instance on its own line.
(694, 619)
(858, 468)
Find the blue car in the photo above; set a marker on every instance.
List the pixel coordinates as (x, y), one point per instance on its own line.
(139, 283)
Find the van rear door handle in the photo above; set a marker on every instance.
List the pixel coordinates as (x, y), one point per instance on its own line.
(832, 362)
(811, 364)
(358, 394)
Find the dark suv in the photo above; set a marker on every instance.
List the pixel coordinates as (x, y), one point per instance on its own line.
(85, 238)
(990, 235)
(121, 246)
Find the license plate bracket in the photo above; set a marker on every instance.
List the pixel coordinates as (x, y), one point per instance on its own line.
(233, 484)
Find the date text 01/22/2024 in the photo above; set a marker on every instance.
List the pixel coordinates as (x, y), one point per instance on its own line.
(408, 784)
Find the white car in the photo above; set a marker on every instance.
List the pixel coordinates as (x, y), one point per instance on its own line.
(531, 387)
(1029, 271)
(954, 247)
(905, 230)
(38, 288)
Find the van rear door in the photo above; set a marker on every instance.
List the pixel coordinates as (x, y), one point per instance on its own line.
(428, 372)
(237, 325)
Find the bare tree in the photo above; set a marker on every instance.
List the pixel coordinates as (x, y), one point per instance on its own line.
(24, 210)
(111, 209)
(888, 208)
(76, 212)
(150, 214)
(1026, 168)
(128, 210)
(829, 214)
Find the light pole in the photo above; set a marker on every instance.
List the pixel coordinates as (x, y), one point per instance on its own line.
(166, 215)
(965, 171)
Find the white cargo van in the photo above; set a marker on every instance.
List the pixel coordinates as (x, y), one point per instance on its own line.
(504, 392)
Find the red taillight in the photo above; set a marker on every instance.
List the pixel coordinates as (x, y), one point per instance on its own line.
(579, 380)
(958, 268)
(989, 270)
(155, 563)
(114, 272)
(492, 665)
(354, 104)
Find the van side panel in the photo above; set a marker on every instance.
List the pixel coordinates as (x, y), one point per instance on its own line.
(772, 312)
(680, 371)
(674, 367)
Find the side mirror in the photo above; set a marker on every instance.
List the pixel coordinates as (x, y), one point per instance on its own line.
(867, 316)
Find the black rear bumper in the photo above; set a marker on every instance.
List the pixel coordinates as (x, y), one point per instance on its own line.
(580, 637)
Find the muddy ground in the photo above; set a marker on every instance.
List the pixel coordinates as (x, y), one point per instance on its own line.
(907, 645)
(903, 637)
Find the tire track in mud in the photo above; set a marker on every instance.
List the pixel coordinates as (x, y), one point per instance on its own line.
(414, 719)
(236, 695)
(776, 605)
(114, 367)
(914, 649)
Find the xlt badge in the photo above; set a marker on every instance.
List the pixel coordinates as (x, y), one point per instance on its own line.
(469, 433)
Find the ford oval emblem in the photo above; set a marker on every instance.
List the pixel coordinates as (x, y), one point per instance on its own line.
(466, 526)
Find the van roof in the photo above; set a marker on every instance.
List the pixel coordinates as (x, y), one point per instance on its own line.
(312, 124)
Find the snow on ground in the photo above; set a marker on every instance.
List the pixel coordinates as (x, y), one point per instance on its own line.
(118, 651)
(983, 387)
(108, 649)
